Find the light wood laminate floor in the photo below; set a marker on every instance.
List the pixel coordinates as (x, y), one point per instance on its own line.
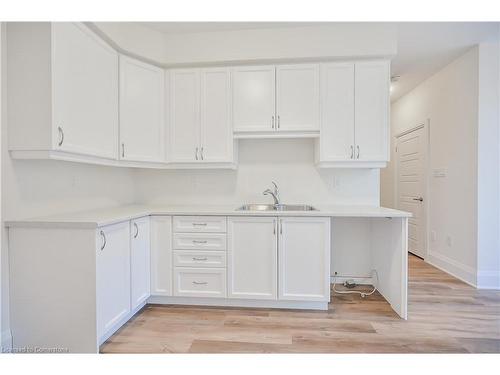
(445, 316)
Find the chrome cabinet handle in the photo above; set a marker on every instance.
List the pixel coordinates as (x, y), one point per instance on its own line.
(279, 121)
(200, 283)
(200, 259)
(196, 153)
(123, 150)
(357, 157)
(420, 199)
(61, 136)
(352, 152)
(201, 153)
(274, 227)
(136, 230)
(272, 122)
(197, 241)
(200, 224)
(103, 240)
(281, 227)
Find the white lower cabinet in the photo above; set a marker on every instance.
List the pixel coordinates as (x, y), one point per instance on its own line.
(112, 276)
(252, 257)
(139, 261)
(304, 259)
(161, 255)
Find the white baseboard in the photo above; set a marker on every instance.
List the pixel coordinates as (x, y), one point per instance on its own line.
(488, 279)
(5, 341)
(454, 268)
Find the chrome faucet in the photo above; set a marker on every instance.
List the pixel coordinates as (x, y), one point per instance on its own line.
(274, 194)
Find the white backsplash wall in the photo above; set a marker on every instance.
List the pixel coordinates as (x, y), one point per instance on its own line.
(289, 162)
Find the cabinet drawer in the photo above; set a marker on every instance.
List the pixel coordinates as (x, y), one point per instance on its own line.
(200, 259)
(216, 224)
(200, 282)
(199, 241)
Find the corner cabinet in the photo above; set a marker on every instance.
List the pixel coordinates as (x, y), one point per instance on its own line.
(68, 79)
(200, 130)
(142, 123)
(354, 115)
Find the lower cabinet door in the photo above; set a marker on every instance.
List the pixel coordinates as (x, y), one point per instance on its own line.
(200, 282)
(161, 255)
(304, 259)
(112, 276)
(140, 261)
(252, 257)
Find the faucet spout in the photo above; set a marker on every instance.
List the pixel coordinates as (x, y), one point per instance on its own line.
(274, 194)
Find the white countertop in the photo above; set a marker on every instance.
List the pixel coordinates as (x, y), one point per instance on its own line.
(101, 217)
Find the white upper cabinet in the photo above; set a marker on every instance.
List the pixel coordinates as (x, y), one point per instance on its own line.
(216, 132)
(140, 267)
(354, 114)
(254, 99)
(252, 257)
(200, 116)
(304, 258)
(63, 90)
(142, 105)
(184, 124)
(337, 112)
(372, 80)
(85, 78)
(297, 97)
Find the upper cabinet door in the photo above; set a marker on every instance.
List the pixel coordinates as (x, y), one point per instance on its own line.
(254, 98)
(372, 80)
(142, 120)
(297, 107)
(216, 127)
(85, 92)
(184, 115)
(337, 112)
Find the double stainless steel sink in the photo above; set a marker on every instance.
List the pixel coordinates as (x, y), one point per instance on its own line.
(276, 207)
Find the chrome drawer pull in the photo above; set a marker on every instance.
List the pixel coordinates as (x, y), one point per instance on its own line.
(200, 224)
(196, 241)
(201, 259)
(200, 283)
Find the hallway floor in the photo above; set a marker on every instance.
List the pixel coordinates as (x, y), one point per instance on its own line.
(445, 316)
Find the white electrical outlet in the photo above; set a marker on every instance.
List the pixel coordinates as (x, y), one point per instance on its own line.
(449, 241)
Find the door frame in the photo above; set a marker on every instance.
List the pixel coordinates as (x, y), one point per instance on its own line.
(426, 125)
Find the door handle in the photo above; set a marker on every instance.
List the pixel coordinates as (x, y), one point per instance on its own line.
(357, 157)
(136, 230)
(420, 199)
(352, 152)
(272, 122)
(196, 153)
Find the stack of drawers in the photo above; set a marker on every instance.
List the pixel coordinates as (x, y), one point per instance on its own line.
(199, 244)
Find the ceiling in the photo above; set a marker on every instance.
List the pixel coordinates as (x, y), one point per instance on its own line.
(423, 47)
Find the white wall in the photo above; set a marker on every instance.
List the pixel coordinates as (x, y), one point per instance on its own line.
(462, 103)
(488, 188)
(311, 42)
(288, 162)
(449, 100)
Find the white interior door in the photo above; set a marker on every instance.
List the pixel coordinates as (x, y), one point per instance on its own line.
(216, 129)
(142, 104)
(85, 76)
(297, 97)
(184, 115)
(252, 257)
(254, 98)
(411, 184)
